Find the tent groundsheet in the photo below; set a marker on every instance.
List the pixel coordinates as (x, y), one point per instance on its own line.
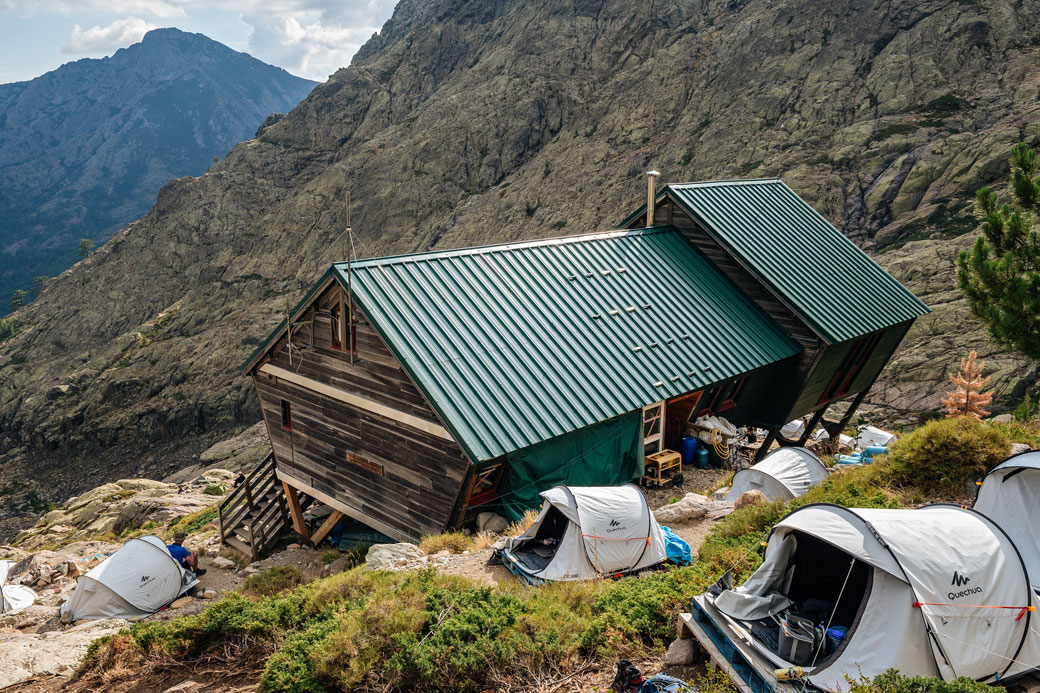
(135, 581)
(938, 591)
(606, 454)
(1010, 496)
(783, 474)
(583, 533)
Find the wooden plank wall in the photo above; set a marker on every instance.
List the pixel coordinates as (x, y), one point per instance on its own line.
(404, 478)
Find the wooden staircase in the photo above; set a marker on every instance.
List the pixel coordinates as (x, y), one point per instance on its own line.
(255, 514)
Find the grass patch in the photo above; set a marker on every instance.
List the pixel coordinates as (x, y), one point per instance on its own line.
(455, 542)
(522, 525)
(214, 490)
(270, 582)
(193, 522)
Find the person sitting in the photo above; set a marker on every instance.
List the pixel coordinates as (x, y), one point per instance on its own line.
(187, 558)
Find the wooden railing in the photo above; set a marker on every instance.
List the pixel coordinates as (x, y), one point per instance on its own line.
(253, 516)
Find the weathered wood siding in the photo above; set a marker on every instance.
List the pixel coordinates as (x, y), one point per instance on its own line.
(387, 471)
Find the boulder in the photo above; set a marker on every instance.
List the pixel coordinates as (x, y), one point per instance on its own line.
(491, 522)
(1019, 448)
(1003, 418)
(339, 565)
(752, 497)
(209, 594)
(692, 506)
(680, 653)
(180, 603)
(222, 563)
(388, 556)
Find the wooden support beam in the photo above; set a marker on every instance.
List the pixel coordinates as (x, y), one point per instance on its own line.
(299, 524)
(811, 426)
(834, 428)
(763, 449)
(326, 527)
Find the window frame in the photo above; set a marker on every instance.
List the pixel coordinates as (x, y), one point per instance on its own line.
(286, 408)
(851, 366)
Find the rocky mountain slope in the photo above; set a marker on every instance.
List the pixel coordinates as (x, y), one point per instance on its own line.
(85, 148)
(467, 121)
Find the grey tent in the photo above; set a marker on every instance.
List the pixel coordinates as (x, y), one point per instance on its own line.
(939, 591)
(1010, 496)
(586, 532)
(783, 474)
(137, 580)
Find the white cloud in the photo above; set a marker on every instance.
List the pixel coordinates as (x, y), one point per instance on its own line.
(305, 43)
(99, 40)
(310, 38)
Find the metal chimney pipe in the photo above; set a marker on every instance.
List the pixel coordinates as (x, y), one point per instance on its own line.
(651, 196)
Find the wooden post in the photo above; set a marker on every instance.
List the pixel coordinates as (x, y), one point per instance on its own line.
(811, 426)
(834, 428)
(326, 527)
(299, 524)
(763, 449)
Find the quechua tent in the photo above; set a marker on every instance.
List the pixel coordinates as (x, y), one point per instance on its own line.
(1010, 496)
(939, 591)
(586, 532)
(137, 580)
(783, 474)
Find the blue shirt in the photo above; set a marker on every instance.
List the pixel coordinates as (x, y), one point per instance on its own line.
(179, 552)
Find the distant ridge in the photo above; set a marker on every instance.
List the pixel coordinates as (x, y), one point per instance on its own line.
(85, 148)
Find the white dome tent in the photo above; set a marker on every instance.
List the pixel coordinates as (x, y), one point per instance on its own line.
(783, 474)
(135, 581)
(586, 532)
(939, 591)
(1010, 496)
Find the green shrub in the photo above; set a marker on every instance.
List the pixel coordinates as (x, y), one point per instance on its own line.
(894, 682)
(271, 582)
(939, 458)
(1026, 411)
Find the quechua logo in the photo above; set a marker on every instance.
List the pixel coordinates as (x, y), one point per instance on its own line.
(960, 580)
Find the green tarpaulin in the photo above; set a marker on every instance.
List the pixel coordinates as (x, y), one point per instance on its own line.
(605, 454)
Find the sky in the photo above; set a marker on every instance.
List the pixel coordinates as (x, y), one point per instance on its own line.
(309, 38)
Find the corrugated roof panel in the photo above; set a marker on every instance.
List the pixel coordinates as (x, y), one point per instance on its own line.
(519, 343)
(825, 278)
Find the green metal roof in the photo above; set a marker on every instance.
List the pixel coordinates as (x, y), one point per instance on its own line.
(810, 265)
(519, 343)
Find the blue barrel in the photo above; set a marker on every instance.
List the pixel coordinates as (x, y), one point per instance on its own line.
(703, 458)
(688, 450)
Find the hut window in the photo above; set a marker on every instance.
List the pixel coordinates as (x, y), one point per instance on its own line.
(337, 344)
(851, 367)
(286, 416)
(730, 394)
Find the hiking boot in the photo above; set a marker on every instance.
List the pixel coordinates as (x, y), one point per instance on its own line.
(199, 572)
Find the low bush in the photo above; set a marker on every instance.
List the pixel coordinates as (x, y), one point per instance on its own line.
(271, 582)
(193, 522)
(894, 682)
(940, 458)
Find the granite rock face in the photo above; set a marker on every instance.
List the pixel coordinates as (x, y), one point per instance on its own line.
(467, 122)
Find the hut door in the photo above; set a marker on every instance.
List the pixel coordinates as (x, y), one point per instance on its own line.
(653, 428)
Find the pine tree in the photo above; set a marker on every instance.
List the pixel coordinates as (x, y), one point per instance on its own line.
(1000, 275)
(968, 399)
